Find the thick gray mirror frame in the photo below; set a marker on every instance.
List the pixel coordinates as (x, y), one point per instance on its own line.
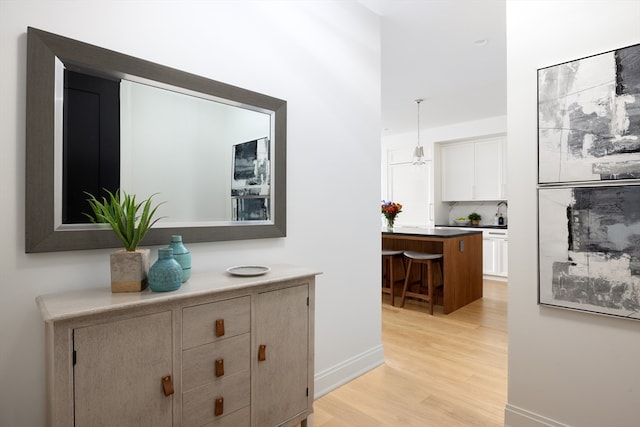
(40, 230)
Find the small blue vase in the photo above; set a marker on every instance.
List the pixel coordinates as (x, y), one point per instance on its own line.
(182, 255)
(165, 274)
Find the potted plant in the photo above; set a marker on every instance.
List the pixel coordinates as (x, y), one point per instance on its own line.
(474, 218)
(130, 220)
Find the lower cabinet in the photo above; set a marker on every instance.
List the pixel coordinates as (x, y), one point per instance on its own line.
(282, 389)
(488, 256)
(117, 367)
(495, 253)
(213, 353)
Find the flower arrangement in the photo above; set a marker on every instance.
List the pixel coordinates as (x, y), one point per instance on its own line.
(390, 210)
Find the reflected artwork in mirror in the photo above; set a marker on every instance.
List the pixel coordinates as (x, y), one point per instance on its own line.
(214, 152)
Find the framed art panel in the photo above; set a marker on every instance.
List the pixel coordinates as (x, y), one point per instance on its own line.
(589, 249)
(250, 208)
(589, 118)
(251, 168)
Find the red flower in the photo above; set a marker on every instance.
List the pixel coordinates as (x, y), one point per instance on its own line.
(390, 209)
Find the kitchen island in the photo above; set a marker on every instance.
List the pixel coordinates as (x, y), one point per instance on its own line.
(462, 259)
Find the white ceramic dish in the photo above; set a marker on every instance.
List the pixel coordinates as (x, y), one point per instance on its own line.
(248, 270)
(461, 222)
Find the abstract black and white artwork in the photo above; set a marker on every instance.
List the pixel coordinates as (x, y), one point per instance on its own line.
(251, 181)
(250, 208)
(589, 118)
(251, 168)
(589, 249)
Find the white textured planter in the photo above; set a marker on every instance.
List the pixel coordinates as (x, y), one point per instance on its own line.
(129, 270)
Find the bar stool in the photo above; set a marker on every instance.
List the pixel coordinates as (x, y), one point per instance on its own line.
(426, 263)
(388, 280)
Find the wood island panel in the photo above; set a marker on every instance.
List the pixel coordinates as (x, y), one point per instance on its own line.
(462, 259)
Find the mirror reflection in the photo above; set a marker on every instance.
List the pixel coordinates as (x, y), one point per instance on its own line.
(195, 151)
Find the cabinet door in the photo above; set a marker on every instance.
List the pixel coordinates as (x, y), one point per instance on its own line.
(411, 186)
(457, 165)
(282, 325)
(488, 256)
(118, 372)
(488, 169)
(504, 258)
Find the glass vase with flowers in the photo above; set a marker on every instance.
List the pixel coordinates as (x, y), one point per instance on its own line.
(390, 210)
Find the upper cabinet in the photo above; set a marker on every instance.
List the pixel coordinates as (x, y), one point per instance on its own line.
(474, 170)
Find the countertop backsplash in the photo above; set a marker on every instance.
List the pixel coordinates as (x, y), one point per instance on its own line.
(487, 211)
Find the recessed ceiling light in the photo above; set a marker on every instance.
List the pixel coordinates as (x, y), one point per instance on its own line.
(481, 42)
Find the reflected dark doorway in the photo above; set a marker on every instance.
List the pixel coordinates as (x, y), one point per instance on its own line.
(91, 142)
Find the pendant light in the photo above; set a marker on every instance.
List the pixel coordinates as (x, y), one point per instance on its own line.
(418, 152)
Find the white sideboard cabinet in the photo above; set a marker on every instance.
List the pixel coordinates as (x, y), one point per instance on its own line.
(220, 351)
(473, 170)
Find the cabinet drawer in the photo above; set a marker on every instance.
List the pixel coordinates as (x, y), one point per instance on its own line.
(198, 404)
(241, 418)
(199, 363)
(199, 322)
(495, 234)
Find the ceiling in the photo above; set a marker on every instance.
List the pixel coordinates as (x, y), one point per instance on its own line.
(429, 52)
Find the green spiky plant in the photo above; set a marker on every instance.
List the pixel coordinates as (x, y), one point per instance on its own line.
(128, 219)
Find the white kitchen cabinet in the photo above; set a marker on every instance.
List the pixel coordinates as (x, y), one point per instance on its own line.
(220, 351)
(410, 185)
(495, 252)
(473, 170)
(457, 169)
(488, 256)
(503, 269)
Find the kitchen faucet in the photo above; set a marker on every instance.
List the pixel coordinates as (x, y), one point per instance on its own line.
(501, 219)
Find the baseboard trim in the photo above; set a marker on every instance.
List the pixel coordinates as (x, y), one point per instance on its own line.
(515, 416)
(495, 278)
(345, 371)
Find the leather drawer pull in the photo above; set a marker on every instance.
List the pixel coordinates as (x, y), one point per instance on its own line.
(219, 406)
(262, 353)
(167, 385)
(219, 327)
(219, 367)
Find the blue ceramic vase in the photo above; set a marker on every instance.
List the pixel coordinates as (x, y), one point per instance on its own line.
(182, 255)
(166, 273)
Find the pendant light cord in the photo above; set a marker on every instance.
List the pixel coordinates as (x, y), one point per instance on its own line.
(418, 101)
(419, 151)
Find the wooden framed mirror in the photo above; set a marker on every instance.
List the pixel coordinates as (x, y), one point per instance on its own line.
(260, 124)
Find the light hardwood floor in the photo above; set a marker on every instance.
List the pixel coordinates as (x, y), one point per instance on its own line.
(443, 371)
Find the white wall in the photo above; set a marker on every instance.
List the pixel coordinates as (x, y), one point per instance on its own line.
(565, 368)
(323, 58)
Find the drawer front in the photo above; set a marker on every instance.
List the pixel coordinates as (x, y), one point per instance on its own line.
(198, 404)
(241, 418)
(199, 323)
(495, 234)
(199, 363)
